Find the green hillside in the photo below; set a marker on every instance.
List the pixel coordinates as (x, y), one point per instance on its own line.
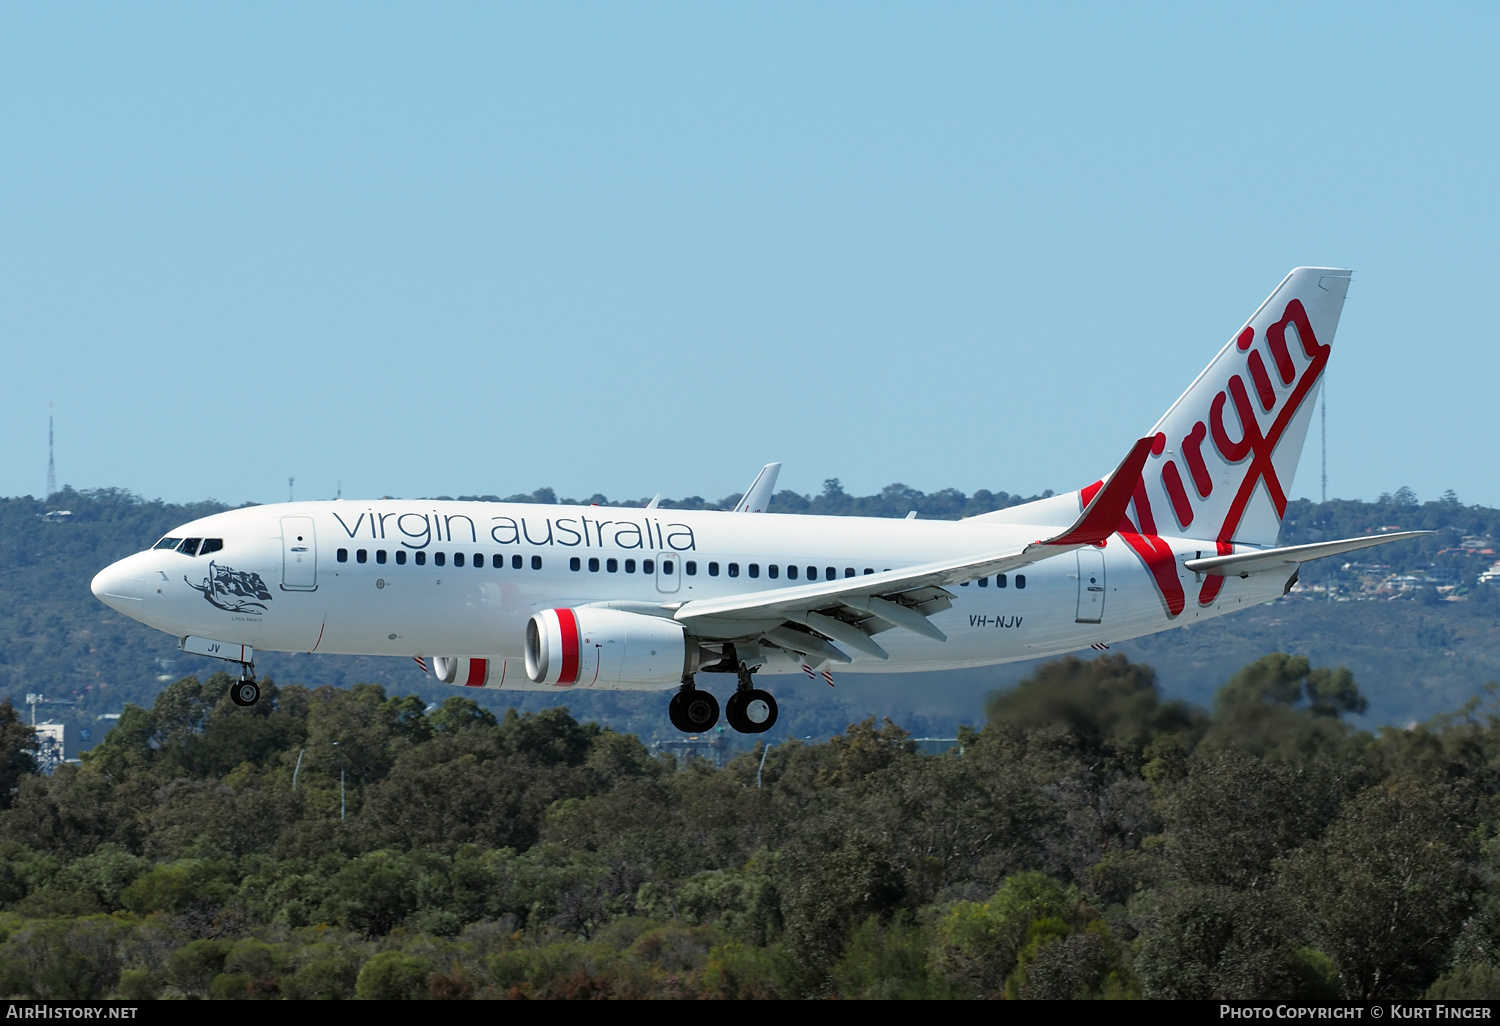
(1416, 653)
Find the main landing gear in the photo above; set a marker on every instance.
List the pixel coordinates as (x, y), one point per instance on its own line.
(749, 710)
(693, 711)
(245, 691)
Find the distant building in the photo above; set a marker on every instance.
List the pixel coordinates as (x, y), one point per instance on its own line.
(937, 745)
(49, 746)
(1490, 576)
(708, 746)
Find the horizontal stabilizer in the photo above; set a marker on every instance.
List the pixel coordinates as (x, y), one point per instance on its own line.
(1243, 564)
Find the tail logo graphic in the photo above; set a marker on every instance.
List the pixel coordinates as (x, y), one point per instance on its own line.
(1235, 440)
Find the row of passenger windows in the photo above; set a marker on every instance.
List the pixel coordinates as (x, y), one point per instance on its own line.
(440, 559)
(1000, 582)
(191, 546)
(647, 566)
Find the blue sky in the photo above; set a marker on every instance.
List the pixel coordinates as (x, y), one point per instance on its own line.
(450, 249)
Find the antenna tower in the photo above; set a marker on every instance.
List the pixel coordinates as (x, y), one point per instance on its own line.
(51, 465)
(1325, 440)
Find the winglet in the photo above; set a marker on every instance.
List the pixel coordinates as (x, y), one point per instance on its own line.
(1102, 516)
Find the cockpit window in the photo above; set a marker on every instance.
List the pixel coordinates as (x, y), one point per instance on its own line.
(210, 545)
(167, 543)
(189, 546)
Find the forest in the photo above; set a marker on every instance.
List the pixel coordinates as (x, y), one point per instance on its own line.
(1092, 839)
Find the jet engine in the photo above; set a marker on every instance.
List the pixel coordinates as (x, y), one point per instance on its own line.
(607, 648)
(466, 671)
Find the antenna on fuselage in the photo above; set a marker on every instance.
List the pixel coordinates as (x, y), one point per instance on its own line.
(289, 493)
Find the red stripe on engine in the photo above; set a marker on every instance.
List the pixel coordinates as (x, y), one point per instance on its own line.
(476, 673)
(568, 626)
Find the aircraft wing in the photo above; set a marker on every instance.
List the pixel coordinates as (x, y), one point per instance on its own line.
(842, 609)
(1243, 564)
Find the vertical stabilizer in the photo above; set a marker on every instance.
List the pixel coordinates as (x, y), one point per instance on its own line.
(1226, 452)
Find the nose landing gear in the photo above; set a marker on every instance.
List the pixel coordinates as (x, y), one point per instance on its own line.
(245, 691)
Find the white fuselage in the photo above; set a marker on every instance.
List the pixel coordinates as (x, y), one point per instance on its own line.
(326, 577)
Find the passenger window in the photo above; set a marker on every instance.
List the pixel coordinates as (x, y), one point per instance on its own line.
(361, 556)
(421, 559)
(211, 545)
(400, 557)
(189, 546)
(984, 582)
(458, 559)
(593, 564)
(773, 571)
(1020, 580)
(713, 569)
(848, 571)
(833, 572)
(612, 565)
(734, 569)
(791, 573)
(630, 566)
(536, 562)
(648, 566)
(754, 569)
(515, 561)
(342, 556)
(690, 568)
(999, 580)
(812, 573)
(167, 543)
(437, 559)
(380, 555)
(963, 584)
(868, 570)
(575, 563)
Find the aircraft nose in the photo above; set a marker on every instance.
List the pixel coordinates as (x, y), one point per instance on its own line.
(120, 588)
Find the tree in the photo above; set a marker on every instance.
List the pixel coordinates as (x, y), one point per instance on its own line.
(17, 752)
(1388, 885)
(1105, 700)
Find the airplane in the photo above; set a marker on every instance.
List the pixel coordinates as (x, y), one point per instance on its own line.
(552, 597)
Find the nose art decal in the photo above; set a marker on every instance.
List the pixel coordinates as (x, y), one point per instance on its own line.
(233, 590)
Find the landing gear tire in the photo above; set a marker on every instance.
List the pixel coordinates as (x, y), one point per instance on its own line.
(692, 711)
(244, 692)
(752, 711)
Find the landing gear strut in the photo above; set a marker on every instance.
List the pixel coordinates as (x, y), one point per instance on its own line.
(750, 710)
(245, 691)
(693, 711)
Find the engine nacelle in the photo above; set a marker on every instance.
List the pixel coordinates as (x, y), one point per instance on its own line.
(467, 672)
(607, 648)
